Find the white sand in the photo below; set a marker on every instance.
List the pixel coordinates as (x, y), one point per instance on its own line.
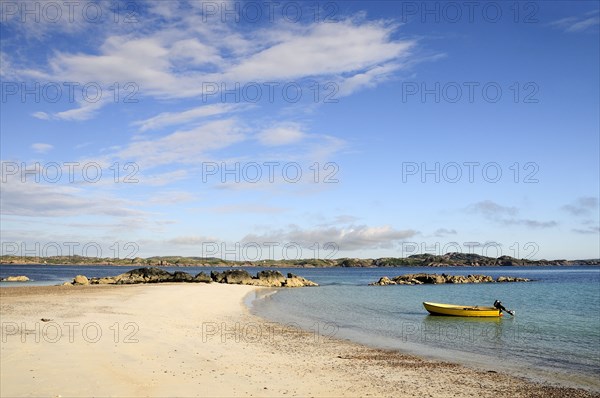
(199, 340)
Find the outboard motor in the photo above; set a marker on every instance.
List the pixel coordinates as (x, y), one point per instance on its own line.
(498, 304)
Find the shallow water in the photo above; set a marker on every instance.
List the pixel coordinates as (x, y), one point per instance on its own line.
(555, 335)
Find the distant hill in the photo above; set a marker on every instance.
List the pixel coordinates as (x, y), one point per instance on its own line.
(417, 260)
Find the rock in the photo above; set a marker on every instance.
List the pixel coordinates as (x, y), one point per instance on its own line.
(217, 276)
(480, 278)
(422, 278)
(240, 277)
(456, 279)
(143, 275)
(237, 277)
(67, 284)
(384, 281)
(512, 279)
(103, 281)
(270, 278)
(202, 278)
(81, 280)
(297, 281)
(182, 277)
(419, 279)
(19, 278)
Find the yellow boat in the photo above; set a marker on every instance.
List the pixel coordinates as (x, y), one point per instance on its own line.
(461, 310)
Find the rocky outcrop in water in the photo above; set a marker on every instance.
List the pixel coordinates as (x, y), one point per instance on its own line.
(267, 278)
(19, 278)
(420, 279)
(512, 279)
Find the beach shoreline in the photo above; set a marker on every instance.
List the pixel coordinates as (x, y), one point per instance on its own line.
(201, 340)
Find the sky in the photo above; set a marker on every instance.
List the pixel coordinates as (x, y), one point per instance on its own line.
(249, 130)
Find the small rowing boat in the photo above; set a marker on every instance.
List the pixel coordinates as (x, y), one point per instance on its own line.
(461, 310)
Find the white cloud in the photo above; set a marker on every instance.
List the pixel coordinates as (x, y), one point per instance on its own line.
(41, 115)
(169, 63)
(442, 232)
(171, 197)
(282, 134)
(41, 147)
(492, 209)
(193, 240)
(183, 146)
(322, 49)
(248, 208)
(354, 237)
(164, 178)
(578, 23)
(33, 199)
(85, 111)
(174, 118)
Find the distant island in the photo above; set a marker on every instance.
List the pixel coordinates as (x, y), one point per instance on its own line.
(418, 260)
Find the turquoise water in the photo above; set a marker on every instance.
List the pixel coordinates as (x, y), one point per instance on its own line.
(554, 337)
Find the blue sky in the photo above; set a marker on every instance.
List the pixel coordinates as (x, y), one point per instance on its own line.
(317, 130)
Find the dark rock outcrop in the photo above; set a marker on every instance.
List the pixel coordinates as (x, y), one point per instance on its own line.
(267, 278)
(419, 279)
(271, 278)
(237, 277)
(202, 277)
(182, 277)
(217, 276)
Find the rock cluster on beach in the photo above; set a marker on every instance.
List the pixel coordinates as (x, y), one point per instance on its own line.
(420, 279)
(267, 278)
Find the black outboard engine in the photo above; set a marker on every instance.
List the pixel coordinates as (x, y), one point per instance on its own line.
(498, 304)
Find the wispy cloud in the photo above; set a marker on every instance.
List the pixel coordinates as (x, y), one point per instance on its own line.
(166, 119)
(442, 232)
(84, 111)
(530, 223)
(354, 237)
(189, 146)
(582, 206)
(578, 23)
(492, 209)
(587, 231)
(191, 240)
(282, 134)
(506, 215)
(248, 208)
(33, 199)
(41, 115)
(41, 147)
(169, 63)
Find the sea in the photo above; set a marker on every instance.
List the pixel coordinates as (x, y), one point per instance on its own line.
(554, 336)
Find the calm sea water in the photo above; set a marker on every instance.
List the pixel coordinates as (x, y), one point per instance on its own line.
(554, 337)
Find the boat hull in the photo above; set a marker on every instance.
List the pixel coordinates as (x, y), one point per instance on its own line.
(461, 310)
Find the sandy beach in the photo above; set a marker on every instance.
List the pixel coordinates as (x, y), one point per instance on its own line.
(187, 340)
